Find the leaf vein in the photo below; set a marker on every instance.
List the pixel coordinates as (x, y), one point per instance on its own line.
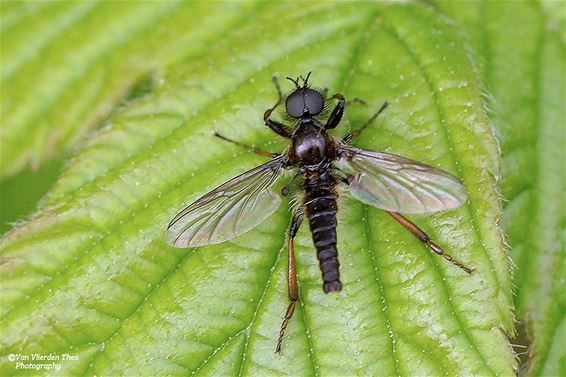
(440, 112)
(392, 334)
(250, 326)
(153, 290)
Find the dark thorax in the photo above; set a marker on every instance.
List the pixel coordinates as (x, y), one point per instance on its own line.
(311, 146)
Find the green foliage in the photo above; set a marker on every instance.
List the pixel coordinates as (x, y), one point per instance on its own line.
(90, 275)
(523, 68)
(66, 64)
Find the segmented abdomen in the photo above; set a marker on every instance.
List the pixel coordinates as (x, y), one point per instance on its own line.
(320, 206)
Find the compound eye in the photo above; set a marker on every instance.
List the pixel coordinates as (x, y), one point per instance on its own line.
(313, 101)
(295, 104)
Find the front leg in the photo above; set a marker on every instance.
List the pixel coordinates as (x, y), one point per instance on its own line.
(336, 115)
(278, 128)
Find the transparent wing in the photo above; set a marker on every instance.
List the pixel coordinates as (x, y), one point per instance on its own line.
(229, 210)
(398, 184)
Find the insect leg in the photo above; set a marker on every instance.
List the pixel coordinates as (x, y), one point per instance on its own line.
(356, 100)
(291, 276)
(336, 115)
(249, 148)
(277, 127)
(424, 238)
(359, 131)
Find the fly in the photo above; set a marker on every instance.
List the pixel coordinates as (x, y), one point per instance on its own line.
(385, 181)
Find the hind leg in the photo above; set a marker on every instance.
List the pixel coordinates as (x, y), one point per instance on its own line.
(424, 238)
(291, 276)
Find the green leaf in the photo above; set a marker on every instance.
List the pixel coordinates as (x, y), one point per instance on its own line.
(66, 64)
(528, 112)
(90, 275)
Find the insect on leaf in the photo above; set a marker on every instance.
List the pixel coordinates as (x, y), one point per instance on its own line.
(90, 273)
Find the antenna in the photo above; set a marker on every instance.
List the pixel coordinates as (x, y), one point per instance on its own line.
(306, 79)
(295, 81)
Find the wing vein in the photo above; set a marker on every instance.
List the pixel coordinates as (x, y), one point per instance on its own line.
(399, 184)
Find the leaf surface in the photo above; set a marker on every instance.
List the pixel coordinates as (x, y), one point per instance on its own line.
(90, 274)
(65, 65)
(522, 54)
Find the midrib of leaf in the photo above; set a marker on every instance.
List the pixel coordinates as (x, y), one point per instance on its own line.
(300, 310)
